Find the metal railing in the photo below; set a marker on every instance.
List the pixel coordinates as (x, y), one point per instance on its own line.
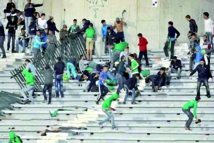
(73, 46)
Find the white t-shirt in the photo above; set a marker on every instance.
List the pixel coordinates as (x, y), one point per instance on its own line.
(208, 25)
(42, 23)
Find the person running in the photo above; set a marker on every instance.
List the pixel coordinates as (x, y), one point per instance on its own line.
(143, 48)
(130, 86)
(90, 33)
(107, 109)
(48, 75)
(192, 25)
(119, 27)
(186, 109)
(14, 138)
(203, 75)
(30, 83)
(103, 90)
(2, 39)
(59, 70)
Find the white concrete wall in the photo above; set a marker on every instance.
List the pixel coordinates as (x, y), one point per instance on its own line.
(140, 16)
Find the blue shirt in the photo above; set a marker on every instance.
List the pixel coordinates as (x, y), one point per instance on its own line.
(37, 42)
(104, 76)
(198, 55)
(104, 30)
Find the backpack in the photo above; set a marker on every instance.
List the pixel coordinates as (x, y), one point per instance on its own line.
(19, 139)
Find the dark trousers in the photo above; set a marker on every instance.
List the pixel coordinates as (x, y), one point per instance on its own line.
(191, 63)
(11, 36)
(48, 87)
(205, 81)
(144, 53)
(7, 11)
(120, 36)
(103, 91)
(190, 115)
(2, 45)
(166, 49)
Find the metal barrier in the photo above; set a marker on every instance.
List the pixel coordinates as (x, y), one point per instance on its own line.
(6, 99)
(73, 46)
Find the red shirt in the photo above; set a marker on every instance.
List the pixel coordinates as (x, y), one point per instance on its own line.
(142, 44)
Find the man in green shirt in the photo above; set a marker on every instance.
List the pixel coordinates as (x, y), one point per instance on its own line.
(14, 138)
(134, 65)
(186, 109)
(74, 28)
(90, 33)
(106, 107)
(29, 77)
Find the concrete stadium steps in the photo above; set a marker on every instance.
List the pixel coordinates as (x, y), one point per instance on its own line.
(156, 118)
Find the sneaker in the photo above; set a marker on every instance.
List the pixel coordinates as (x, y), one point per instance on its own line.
(97, 102)
(208, 96)
(114, 128)
(44, 101)
(4, 56)
(49, 103)
(100, 125)
(188, 128)
(134, 103)
(124, 102)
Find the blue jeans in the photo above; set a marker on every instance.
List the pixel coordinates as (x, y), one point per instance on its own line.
(190, 115)
(71, 69)
(209, 37)
(110, 117)
(127, 94)
(59, 85)
(11, 35)
(23, 43)
(27, 23)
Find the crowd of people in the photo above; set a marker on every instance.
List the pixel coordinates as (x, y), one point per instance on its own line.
(125, 68)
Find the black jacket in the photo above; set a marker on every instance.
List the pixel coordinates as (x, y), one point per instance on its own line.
(2, 31)
(85, 26)
(193, 26)
(172, 31)
(131, 83)
(109, 36)
(59, 68)
(161, 79)
(10, 5)
(177, 64)
(203, 71)
(12, 25)
(52, 26)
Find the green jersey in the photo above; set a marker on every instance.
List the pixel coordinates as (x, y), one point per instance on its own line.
(191, 104)
(90, 32)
